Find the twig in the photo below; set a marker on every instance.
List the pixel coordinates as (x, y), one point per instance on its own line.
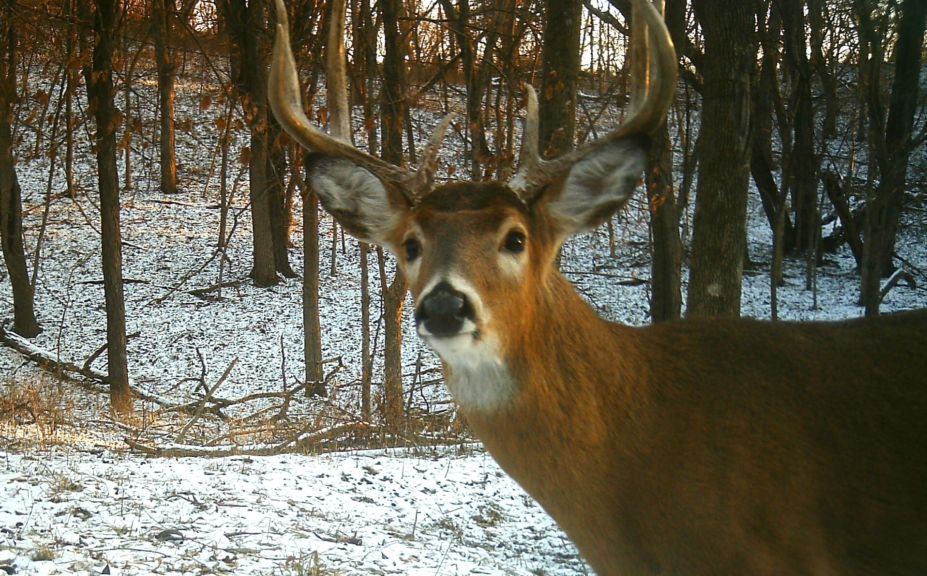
(96, 353)
(202, 405)
(204, 292)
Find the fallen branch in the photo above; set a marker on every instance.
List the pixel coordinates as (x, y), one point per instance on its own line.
(303, 442)
(204, 293)
(199, 409)
(50, 361)
(899, 275)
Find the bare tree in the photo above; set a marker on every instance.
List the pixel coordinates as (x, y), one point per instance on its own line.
(666, 249)
(891, 140)
(800, 176)
(560, 57)
(719, 236)
(459, 23)
(99, 78)
(393, 112)
(11, 208)
(163, 15)
(246, 24)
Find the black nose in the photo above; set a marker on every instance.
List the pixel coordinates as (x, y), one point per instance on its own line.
(443, 311)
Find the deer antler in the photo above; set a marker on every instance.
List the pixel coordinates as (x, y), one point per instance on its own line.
(285, 99)
(534, 172)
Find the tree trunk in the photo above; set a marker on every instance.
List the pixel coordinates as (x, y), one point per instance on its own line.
(163, 12)
(666, 250)
(73, 79)
(99, 78)
(801, 173)
(366, 62)
(458, 21)
(761, 155)
(890, 145)
(247, 28)
(11, 206)
(312, 326)
(560, 63)
(392, 120)
(366, 376)
(665, 283)
(719, 236)
(393, 300)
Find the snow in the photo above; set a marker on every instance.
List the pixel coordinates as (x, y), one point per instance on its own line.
(371, 512)
(75, 500)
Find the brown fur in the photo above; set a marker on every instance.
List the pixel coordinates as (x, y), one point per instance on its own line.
(698, 447)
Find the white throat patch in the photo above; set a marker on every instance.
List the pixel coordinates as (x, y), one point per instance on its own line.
(477, 377)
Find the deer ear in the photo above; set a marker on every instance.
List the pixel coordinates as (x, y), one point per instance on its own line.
(369, 210)
(597, 185)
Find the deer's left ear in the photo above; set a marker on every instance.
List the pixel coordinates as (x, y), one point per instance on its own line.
(597, 185)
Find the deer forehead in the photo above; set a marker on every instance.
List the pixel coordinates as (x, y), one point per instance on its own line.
(461, 229)
(463, 219)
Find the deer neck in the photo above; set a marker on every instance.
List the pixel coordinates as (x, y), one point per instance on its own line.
(540, 394)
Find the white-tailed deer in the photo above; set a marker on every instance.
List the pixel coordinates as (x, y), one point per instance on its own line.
(708, 447)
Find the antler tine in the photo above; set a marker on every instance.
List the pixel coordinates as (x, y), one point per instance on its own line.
(534, 172)
(531, 167)
(285, 100)
(336, 78)
(423, 179)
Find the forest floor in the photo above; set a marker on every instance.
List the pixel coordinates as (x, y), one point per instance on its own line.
(75, 499)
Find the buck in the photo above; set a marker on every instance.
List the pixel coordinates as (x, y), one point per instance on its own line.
(699, 447)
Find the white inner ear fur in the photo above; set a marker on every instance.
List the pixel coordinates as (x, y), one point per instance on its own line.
(348, 188)
(604, 178)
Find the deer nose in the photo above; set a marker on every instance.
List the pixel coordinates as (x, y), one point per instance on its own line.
(443, 311)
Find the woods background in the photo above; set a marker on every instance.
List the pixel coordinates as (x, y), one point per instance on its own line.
(816, 106)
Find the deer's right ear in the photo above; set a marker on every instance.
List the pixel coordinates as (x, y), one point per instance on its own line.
(369, 210)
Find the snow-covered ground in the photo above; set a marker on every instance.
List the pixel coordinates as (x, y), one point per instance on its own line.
(374, 512)
(74, 500)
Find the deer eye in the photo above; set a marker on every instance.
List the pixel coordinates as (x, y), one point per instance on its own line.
(515, 242)
(413, 249)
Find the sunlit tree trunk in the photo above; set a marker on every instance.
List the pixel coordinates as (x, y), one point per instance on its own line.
(560, 63)
(392, 120)
(247, 28)
(99, 78)
(163, 13)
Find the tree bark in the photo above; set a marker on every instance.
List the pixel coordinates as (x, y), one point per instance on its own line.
(247, 29)
(11, 206)
(560, 70)
(719, 235)
(312, 325)
(666, 249)
(163, 12)
(392, 120)
(99, 78)
(458, 21)
(890, 146)
(801, 171)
